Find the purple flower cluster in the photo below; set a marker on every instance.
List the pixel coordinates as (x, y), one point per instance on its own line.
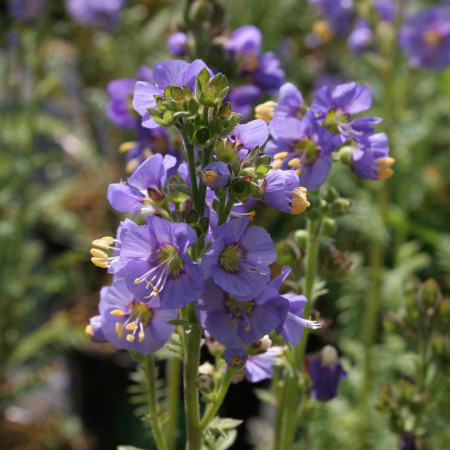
(304, 139)
(95, 13)
(26, 10)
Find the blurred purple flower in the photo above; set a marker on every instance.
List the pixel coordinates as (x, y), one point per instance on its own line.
(361, 36)
(177, 44)
(260, 367)
(338, 14)
(94, 330)
(426, 38)
(96, 13)
(26, 10)
(326, 372)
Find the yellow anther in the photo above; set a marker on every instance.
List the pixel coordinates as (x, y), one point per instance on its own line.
(247, 328)
(100, 262)
(236, 361)
(295, 162)
(117, 312)
(137, 281)
(155, 294)
(107, 240)
(265, 111)
(280, 155)
(323, 30)
(252, 215)
(100, 243)
(155, 288)
(299, 200)
(89, 331)
(130, 338)
(126, 146)
(131, 326)
(298, 171)
(98, 253)
(384, 167)
(119, 330)
(131, 165)
(141, 336)
(277, 164)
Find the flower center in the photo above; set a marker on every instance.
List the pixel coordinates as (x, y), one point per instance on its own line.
(333, 120)
(433, 38)
(138, 317)
(239, 309)
(142, 311)
(309, 149)
(169, 256)
(230, 257)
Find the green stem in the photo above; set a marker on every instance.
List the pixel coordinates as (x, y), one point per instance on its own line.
(202, 189)
(149, 368)
(191, 362)
(223, 215)
(173, 400)
(213, 407)
(281, 396)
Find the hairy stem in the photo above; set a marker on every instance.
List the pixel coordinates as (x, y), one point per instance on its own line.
(173, 400)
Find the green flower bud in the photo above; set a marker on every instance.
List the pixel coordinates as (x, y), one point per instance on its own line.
(329, 226)
(329, 194)
(243, 189)
(301, 238)
(339, 207)
(287, 253)
(313, 213)
(205, 383)
(345, 155)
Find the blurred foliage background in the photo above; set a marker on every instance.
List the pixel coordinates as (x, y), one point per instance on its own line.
(58, 155)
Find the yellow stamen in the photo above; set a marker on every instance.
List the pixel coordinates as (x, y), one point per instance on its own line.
(298, 171)
(295, 162)
(131, 326)
(130, 338)
(252, 215)
(384, 167)
(89, 331)
(126, 146)
(141, 336)
(299, 200)
(209, 176)
(119, 330)
(323, 30)
(277, 164)
(137, 281)
(247, 328)
(101, 244)
(99, 262)
(117, 312)
(265, 111)
(131, 165)
(236, 361)
(280, 155)
(98, 253)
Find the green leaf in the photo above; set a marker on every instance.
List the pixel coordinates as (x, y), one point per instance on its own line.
(181, 187)
(203, 77)
(180, 322)
(224, 423)
(225, 110)
(261, 171)
(218, 83)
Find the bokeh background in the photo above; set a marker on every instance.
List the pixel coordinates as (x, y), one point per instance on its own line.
(59, 152)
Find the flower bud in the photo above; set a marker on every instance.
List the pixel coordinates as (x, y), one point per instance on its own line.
(235, 357)
(345, 155)
(216, 175)
(262, 345)
(205, 383)
(329, 226)
(287, 253)
(206, 369)
(430, 294)
(329, 194)
(301, 238)
(339, 207)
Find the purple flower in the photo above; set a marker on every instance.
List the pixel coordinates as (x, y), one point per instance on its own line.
(426, 38)
(281, 190)
(245, 42)
(248, 136)
(94, 330)
(145, 187)
(216, 175)
(338, 14)
(371, 159)
(386, 9)
(120, 93)
(269, 76)
(334, 107)
(408, 442)
(235, 357)
(97, 13)
(238, 322)
(156, 264)
(243, 98)
(326, 372)
(290, 100)
(177, 44)
(301, 145)
(165, 73)
(260, 367)
(239, 258)
(131, 324)
(361, 36)
(26, 10)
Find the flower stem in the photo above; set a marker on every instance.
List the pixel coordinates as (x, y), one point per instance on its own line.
(223, 215)
(202, 188)
(173, 400)
(149, 368)
(213, 407)
(191, 342)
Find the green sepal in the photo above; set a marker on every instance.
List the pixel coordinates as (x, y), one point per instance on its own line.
(168, 117)
(218, 83)
(202, 135)
(160, 121)
(187, 91)
(243, 189)
(225, 152)
(251, 158)
(167, 94)
(208, 97)
(154, 113)
(222, 95)
(263, 160)
(160, 103)
(178, 94)
(138, 357)
(203, 77)
(189, 129)
(192, 105)
(225, 110)
(262, 171)
(171, 105)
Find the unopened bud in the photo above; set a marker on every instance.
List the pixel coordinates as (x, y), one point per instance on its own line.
(206, 369)
(205, 383)
(339, 207)
(329, 226)
(262, 345)
(301, 238)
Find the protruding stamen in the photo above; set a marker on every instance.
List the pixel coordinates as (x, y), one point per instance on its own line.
(101, 244)
(126, 146)
(252, 215)
(141, 336)
(247, 328)
(130, 338)
(119, 330)
(131, 326)
(265, 111)
(384, 167)
(100, 262)
(277, 163)
(299, 200)
(117, 312)
(280, 155)
(89, 331)
(295, 162)
(298, 171)
(98, 253)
